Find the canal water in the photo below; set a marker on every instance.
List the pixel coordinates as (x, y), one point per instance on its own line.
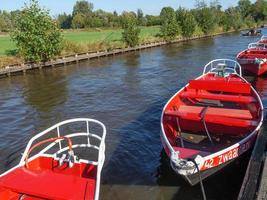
(127, 93)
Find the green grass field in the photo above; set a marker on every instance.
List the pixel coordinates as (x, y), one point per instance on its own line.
(95, 36)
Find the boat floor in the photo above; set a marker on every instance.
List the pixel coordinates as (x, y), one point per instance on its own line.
(201, 142)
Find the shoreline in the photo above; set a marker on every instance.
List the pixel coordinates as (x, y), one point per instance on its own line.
(22, 68)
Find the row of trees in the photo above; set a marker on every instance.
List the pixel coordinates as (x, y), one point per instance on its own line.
(207, 18)
(38, 37)
(84, 16)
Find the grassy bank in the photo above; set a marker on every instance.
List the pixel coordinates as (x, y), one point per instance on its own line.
(90, 36)
(80, 41)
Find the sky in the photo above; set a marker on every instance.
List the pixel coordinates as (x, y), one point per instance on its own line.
(148, 6)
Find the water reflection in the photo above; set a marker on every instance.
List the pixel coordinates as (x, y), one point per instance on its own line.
(46, 90)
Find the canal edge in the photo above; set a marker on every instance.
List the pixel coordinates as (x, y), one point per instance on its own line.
(22, 68)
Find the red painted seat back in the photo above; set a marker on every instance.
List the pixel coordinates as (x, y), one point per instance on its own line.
(221, 86)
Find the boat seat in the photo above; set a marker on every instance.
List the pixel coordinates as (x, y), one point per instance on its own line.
(48, 184)
(224, 116)
(221, 97)
(221, 86)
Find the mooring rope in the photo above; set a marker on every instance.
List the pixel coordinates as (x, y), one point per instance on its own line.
(200, 179)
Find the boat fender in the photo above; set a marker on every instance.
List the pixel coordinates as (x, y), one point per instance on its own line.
(199, 160)
(175, 157)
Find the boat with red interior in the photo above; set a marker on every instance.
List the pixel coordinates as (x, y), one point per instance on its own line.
(254, 59)
(211, 121)
(63, 162)
(263, 39)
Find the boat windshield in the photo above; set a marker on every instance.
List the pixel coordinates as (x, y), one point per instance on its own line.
(261, 46)
(223, 67)
(264, 37)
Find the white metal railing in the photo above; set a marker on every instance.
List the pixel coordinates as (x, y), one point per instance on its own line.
(260, 46)
(87, 144)
(264, 37)
(231, 66)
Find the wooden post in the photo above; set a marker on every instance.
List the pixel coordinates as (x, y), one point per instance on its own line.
(262, 194)
(249, 186)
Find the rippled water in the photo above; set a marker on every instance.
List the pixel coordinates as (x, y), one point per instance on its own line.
(127, 93)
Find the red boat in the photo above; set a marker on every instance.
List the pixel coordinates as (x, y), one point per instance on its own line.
(263, 39)
(211, 121)
(50, 167)
(254, 59)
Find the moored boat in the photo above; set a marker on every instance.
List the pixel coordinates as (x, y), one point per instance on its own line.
(251, 32)
(63, 162)
(254, 59)
(211, 121)
(263, 39)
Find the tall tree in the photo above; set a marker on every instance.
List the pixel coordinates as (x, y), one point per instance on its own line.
(169, 26)
(131, 32)
(140, 17)
(205, 19)
(82, 7)
(186, 21)
(259, 10)
(64, 21)
(36, 35)
(244, 7)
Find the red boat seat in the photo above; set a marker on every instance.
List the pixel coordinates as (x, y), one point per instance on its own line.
(221, 86)
(224, 116)
(48, 184)
(222, 97)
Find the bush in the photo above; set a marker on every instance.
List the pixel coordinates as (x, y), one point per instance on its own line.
(36, 35)
(169, 26)
(186, 21)
(131, 32)
(205, 19)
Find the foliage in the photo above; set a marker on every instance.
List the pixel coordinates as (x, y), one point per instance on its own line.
(131, 32)
(36, 35)
(78, 21)
(140, 18)
(205, 19)
(82, 7)
(259, 10)
(169, 25)
(250, 22)
(152, 20)
(234, 18)
(186, 21)
(64, 21)
(244, 7)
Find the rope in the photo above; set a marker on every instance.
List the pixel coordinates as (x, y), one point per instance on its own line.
(200, 179)
(46, 141)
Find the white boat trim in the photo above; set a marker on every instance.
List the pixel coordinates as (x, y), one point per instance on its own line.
(203, 159)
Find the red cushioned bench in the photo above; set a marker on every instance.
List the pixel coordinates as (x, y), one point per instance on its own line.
(228, 117)
(49, 185)
(221, 97)
(221, 86)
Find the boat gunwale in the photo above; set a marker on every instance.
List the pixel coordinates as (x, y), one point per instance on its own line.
(213, 155)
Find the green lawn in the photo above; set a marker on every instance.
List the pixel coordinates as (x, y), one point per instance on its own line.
(84, 36)
(6, 44)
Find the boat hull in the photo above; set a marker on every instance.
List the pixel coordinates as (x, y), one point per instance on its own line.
(182, 118)
(253, 68)
(210, 170)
